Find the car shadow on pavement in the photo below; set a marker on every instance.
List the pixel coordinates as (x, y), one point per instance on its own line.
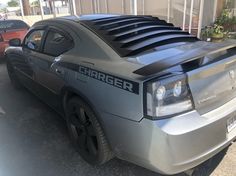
(2, 60)
(205, 169)
(210, 165)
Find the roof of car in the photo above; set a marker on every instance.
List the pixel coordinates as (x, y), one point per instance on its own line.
(87, 17)
(130, 35)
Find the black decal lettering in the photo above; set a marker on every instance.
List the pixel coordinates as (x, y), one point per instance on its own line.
(84, 70)
(94, 74)
(109, 80)
(81, 70)
(101, 77)
(128, 86)
(118, 83)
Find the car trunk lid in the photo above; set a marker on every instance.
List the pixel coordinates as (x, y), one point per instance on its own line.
(214, 83)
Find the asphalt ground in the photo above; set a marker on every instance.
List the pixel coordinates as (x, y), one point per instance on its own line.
(34, 142)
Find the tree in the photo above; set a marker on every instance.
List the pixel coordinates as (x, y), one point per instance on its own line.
(26, 7)
(13, 3)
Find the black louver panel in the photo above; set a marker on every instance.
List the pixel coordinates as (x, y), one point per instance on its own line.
(131, 35)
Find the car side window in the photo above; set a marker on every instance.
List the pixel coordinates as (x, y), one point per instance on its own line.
(34, 40)
(56, 43)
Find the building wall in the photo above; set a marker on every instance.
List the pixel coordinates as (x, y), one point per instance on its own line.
(157, 8)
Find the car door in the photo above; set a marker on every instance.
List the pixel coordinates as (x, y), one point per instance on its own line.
(30, 47)
(49, 80)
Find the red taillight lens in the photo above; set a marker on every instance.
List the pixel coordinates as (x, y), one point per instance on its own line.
(1, 38)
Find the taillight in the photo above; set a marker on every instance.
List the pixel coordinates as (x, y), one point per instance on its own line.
(167, 97)
(1, 38)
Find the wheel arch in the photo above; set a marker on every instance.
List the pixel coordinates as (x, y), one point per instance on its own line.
(69, 92)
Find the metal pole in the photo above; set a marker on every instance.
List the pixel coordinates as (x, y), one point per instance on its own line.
(106, 6)
(41, 8)
(135, 7)
(74, 7)
(168, 11)
(98, 6)
(131, 6)
(54, 9)
(22, 10)
(191, 17)
(215, 9)
(184, 14)
(95, 6)
(123, 6)
(92, 6)
(143, 3)
(200, 18)
(80, 7)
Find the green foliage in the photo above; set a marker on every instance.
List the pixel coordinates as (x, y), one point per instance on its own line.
(218, 29)
(224, 18)
(215, 31)
(35, 3)
(207, 32)
(13, 3)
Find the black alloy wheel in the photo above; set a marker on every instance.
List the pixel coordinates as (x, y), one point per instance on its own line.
(86, 133)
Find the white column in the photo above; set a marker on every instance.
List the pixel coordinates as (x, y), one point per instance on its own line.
(95, 5)
(92, 6)
(131, 6)
(191, 17)
(106, 6)
(41, 8)
(54, 9)
(80, 7)
(22, 10)
(143, 4)
(123, 6)
(200, 18)
(98, 6)
(184, 14)
(168, 11)
(215, 8)
(74, 7)
(135, 7)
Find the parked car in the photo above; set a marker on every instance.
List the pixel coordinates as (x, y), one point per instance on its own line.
(10, 29)
(134, 87)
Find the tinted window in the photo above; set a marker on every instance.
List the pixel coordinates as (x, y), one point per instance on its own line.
(33, 40)
(12, 24)
(56, 43)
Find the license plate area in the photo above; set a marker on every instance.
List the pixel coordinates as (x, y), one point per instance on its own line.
(231, 123)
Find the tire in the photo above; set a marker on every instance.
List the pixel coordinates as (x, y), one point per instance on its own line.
(86, 133)
(12, 75)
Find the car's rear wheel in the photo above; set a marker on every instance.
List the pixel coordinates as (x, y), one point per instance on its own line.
(86, 132)
(12, 75)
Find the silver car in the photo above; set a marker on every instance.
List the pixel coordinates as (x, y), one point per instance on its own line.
(132, 87)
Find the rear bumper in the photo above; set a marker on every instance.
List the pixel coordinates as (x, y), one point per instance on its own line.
(172, 145)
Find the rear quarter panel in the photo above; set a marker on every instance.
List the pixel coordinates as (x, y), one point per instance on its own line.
(90, 51)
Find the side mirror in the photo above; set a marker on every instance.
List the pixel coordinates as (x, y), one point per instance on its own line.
(15, 42)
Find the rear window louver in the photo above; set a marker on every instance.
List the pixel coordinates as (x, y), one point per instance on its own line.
(131, 35)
